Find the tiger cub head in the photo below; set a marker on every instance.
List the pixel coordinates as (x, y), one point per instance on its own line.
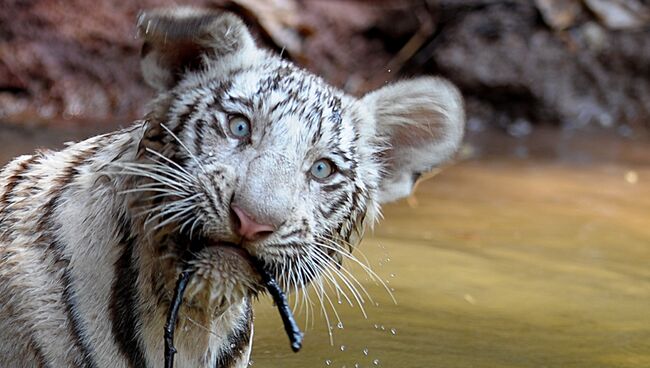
(252, 155)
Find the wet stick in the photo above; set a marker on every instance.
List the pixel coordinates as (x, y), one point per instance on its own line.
(172, 316)
(280, 299)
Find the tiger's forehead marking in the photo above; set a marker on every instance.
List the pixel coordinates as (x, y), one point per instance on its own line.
(279, 93)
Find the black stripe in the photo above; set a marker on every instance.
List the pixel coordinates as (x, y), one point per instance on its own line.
(124, 304)
(237, 341)
(295, 232)
(212, 107)
(333, 187)
(335, 205)
(198, 136)
(38, 354)
(217, 93)
(13, 181)
(186, 116)
(76, 329)
(48, 227)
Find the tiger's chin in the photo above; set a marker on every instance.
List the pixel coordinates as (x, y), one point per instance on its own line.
(224, 275)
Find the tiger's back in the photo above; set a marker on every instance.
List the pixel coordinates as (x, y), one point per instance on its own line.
(46, 210)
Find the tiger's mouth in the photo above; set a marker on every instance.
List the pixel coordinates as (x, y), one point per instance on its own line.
(240, 258)
(232, 248)
(224, 272)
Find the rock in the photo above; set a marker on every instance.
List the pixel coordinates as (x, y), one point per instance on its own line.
(511, 67)
(518, 62)
(560, 14)
(621, 14)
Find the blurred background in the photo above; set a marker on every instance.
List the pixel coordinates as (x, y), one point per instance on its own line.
(531, 250)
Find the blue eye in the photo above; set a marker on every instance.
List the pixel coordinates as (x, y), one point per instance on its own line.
(239, 127)
(322, 169)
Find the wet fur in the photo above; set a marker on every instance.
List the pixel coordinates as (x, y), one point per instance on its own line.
(86, 277)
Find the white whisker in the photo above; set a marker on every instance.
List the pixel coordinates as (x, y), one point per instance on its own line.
(192, 156)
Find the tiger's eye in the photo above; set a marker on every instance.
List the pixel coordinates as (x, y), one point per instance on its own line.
(322, 169)
(239, 127)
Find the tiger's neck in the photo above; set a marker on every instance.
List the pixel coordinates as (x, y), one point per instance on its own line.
(106, 273)
(145, 277)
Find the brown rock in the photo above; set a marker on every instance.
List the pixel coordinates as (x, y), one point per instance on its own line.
(559, 14)
(621, 14)
(518, 62)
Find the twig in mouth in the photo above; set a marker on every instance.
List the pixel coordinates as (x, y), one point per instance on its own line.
(172, 316)
(280, 299)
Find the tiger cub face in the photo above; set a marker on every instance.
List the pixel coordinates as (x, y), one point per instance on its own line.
(250, 155)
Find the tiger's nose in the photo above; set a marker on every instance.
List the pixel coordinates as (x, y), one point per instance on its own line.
(248, 228)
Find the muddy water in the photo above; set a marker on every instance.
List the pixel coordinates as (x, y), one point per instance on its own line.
(528, 254)
(531, 255)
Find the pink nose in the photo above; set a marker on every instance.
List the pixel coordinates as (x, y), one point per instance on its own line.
(248, 228)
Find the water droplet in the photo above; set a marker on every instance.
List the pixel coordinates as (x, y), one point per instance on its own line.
(232, 346)
(376, 326)
(393, 331)
(389, 70)
(250, 363)
(376, 304)
(375, 362)
(631, 177)
(356, 365)
(365, 351)
(392, 275)
(328, 362)
(342, 347)
(340, 325)
(382, 328)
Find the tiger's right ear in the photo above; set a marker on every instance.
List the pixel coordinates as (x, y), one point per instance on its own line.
(183, 39)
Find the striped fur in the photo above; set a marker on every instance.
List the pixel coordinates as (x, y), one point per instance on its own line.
(92, 237)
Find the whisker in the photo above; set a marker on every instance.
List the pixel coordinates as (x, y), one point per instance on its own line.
(184, 147)
(153, 176)
(166, 209)
(340, 271)
(199, 219)
(189, 176)
(172, 218)
(157, 167)
(365, 267)
(317, 284)
(206, 329)
(331, 280)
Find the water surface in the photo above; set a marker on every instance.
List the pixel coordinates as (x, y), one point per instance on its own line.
(527, 254)
(530, 255)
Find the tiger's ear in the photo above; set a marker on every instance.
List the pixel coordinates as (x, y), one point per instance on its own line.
(422, 122)
(182, 39)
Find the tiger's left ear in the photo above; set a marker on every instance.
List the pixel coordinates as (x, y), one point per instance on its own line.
(184, 39)
(422, 121)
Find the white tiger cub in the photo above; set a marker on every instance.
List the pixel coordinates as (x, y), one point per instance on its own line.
(242, 154)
